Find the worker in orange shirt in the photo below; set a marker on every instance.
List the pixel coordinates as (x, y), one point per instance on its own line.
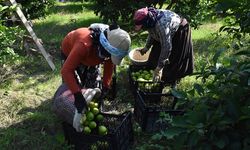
(90, 46)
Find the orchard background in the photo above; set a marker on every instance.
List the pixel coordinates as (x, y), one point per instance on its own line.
(216, 96)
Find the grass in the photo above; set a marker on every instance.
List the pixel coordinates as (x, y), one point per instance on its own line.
(27, 121)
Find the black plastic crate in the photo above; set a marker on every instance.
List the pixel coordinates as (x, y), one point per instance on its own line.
(119, 137)
(148, 108)
(145, 86)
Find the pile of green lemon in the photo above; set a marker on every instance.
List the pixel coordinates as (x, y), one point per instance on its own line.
(145, 76)
(92, 120)
(142, 75)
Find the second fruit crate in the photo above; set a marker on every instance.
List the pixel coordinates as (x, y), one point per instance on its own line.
(140, 78)
(149, 107)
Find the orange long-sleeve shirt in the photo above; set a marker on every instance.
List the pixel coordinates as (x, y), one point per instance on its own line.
(79, 49)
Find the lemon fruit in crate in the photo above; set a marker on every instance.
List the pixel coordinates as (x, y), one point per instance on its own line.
(86, 130)
(92, 120)
(102, 130)
(95, 111)
(83, 119)
(92, 124)
(90, 116)
(99, 117)
(93, 105)
(145, 76)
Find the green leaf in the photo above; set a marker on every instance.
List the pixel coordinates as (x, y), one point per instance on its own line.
(157, 137)
(221, 142)
(233, 109)
(3, 8)
(234, 146)
(199, 89)
(199, 125)
(178, 94)
(193, 138)
(244, 118)
(179, 121)
(60, 138)
(173, 131)
(218, 54)
(243, 52)
(225, 121)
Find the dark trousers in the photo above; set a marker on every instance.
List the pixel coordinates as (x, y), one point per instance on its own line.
(181, 57)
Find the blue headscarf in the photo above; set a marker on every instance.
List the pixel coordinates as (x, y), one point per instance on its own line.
(112, 50)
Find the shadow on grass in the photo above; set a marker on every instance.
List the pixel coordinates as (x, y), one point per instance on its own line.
(52, 33)
(34, 72)
(203, 46)
(40, 130)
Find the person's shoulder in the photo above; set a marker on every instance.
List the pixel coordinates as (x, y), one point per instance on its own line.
(81, 33)
(166, 11)
(170, 14)
(82, 30)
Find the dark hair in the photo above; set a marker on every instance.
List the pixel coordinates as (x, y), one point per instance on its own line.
(113, 26)
(101, 52)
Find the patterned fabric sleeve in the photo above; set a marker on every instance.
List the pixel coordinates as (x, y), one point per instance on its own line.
(166, 43)
(164, 30)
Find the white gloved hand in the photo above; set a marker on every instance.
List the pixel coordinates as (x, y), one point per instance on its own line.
(143, 50)
(77, 121)
(89, 94)
(157, 74)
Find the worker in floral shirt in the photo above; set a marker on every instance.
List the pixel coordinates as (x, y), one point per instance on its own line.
(170, 35)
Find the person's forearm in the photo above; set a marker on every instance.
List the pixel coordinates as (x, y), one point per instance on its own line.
(149, 42)
(166, 47)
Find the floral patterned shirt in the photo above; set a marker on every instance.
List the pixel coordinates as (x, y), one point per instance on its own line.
(163, 32)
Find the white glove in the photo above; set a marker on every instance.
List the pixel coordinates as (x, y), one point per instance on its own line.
(77, 120)
(89, 94)
(143, 50)
(157, 74)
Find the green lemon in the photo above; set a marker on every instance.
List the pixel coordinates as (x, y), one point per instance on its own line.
(86, 130)
(99, 117)
(91, 105)
(96, 105)
(95, 111)
(147, 77)
(83, 119)
(92, 124)
(90, 116)
(137, 74)
(85, 123)
(102, 130)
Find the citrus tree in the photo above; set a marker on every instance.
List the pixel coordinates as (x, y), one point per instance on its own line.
(123, 10)
(35, 8)
(10, 38)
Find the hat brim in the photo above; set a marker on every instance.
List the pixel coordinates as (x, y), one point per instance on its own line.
(116, 60)
(138, 27)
